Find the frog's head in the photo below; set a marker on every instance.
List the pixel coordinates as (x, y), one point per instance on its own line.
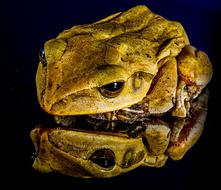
(127, 89)
(76, 153)
(87, 76)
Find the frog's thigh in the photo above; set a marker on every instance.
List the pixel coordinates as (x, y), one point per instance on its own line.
(163, 91)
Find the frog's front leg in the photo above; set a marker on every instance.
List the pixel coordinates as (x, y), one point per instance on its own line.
(195, 72)
(160, 98)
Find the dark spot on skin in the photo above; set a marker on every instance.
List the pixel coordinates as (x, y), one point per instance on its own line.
(59, 132)
(122, 59)
(49, 84)
(147, 55)
(43, 151)
(58, 86)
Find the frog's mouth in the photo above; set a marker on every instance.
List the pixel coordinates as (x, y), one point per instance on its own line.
(132, 121)
(93, 124)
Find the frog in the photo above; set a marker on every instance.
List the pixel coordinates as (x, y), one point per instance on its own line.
(126, 91)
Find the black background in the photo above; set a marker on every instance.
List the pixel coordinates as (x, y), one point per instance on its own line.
(25, 25)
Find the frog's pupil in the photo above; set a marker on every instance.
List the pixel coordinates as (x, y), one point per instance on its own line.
(105, 162)
(115, 86)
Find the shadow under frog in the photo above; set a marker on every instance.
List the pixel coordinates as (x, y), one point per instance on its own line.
(126, 91)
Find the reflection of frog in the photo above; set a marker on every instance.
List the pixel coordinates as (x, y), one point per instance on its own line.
(134, 68)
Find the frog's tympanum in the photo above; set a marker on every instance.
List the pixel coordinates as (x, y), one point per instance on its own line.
(126, 91)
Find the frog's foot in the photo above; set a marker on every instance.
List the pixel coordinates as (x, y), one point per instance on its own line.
(155, 160)
(195, 71)
(187, 131)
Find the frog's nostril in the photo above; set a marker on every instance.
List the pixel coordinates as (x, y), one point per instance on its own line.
(104, 158)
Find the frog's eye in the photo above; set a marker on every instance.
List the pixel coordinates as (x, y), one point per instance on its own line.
(112, 90)
(42, 57)
(104, 158)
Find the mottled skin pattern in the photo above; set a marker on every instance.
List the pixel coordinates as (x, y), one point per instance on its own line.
(134, 67)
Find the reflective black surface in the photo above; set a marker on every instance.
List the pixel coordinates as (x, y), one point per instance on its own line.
(24, 28)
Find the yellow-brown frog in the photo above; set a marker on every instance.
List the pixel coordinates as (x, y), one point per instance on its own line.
(126, 91)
